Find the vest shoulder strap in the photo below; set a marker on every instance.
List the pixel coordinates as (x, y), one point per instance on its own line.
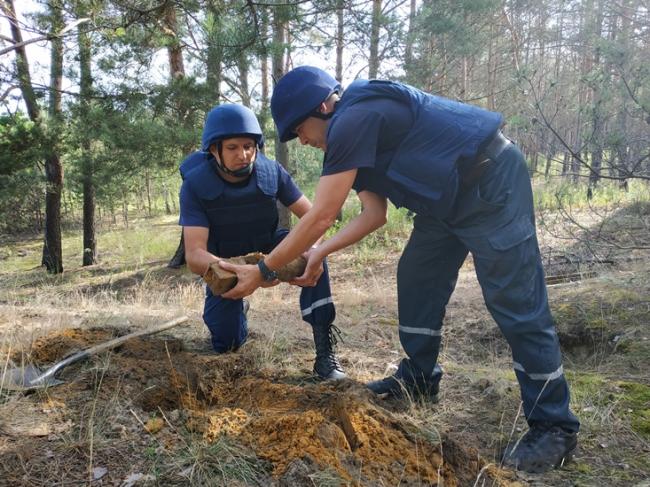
(191, 162)
(267, 173)
(205, 182)
(207, 185)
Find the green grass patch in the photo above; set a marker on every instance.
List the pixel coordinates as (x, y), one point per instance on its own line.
(221, 462)
(589, 390)
(635, 401)
(145, 243)
(145, 240)
(630, 400)
(563, 193)
(583, 468)
(391, 237)
(635, 351)
(611, 309)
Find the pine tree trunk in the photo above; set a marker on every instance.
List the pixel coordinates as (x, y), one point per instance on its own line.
(264, 68)
(373, 60)
(174, 50)
(147, 182)
(242, 66)
(340, 25)
(547, 168)
(277, 61)
(85, 92)
(596, 142)
(89, 241)
(168, 210)
(178, 260)
(22, 64)
(125, 209)
(214, 53)
(52, 252)
(410, 39)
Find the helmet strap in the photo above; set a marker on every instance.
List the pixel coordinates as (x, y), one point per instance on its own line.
(323, 116)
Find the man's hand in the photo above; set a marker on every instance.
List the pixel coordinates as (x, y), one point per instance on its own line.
(249, 279)
(313, 271)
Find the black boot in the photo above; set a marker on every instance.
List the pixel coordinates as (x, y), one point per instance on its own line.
(542, 448)
(326, 365)
(393, 386)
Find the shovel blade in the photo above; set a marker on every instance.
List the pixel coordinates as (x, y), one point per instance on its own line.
(26, 379)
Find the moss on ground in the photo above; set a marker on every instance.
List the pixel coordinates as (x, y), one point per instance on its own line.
(635, 400)
(589, 389)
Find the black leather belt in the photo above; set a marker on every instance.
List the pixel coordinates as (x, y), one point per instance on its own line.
(471, 172)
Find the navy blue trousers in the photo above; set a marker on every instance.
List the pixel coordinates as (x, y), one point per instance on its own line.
(494, 220)
(228, 325)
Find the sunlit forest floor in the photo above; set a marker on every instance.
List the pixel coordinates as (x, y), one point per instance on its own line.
(163, 410)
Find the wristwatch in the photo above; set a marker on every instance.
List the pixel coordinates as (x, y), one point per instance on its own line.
(267, 274)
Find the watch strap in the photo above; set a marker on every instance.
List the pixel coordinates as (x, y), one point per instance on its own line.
(267, 274)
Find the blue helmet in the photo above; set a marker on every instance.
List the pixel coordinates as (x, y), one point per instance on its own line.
(230, 120)
(297, 95)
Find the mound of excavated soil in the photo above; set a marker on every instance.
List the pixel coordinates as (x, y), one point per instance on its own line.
(333, 426)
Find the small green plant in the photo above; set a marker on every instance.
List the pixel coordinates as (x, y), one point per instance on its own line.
(326, 478)
(221, 462)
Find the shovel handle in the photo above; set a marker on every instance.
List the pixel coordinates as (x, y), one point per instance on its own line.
(119, 340)
(110, 344)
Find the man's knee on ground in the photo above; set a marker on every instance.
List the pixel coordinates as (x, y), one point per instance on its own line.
(221, 344)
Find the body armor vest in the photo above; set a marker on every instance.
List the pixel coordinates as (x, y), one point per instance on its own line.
(243, 216)
(422, 169)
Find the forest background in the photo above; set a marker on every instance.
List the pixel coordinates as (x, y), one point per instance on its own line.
(101, 100)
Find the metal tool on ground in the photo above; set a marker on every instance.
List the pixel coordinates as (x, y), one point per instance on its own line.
(220, 280)
(30, 377)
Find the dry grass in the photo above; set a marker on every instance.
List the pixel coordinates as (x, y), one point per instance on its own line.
(479, 401)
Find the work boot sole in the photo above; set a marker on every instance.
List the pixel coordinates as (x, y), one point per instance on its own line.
(540, 467)
(333, 375)
(396, 389)
(543, 468)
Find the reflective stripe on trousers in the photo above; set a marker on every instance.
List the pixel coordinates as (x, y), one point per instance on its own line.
(493, 220)
(228, 326)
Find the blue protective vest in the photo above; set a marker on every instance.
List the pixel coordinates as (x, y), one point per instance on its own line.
(194, 160)
(423, 167)
(243, 218)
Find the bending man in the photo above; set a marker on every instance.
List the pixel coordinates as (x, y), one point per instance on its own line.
(468, 185)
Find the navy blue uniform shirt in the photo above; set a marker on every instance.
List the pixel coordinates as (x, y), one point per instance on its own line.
(365, 137)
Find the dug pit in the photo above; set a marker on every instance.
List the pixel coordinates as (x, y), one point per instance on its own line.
(287, 422)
